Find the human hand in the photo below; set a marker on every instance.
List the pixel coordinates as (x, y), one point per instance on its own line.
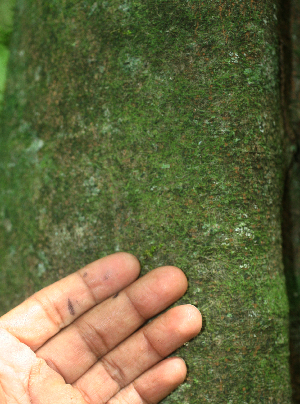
(80, 341)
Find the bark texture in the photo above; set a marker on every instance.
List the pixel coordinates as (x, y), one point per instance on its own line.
(155, 127)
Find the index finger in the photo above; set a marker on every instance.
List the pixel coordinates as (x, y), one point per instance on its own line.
(46, 312)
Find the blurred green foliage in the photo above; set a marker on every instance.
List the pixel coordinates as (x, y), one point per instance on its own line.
(6, 23)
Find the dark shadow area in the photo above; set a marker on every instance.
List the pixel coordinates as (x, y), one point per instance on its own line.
(289, 227)
(289, 49)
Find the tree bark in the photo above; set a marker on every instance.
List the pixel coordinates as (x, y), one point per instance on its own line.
(155, 127)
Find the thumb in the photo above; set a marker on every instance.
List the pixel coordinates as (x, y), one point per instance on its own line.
(48, 387)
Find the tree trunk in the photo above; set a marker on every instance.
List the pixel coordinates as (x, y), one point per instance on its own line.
(155, 127)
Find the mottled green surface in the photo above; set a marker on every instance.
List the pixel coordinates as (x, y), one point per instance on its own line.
(155, 127)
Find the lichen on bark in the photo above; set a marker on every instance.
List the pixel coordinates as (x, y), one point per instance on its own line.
(155, 127)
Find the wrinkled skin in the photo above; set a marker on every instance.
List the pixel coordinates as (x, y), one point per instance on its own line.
(83, 340)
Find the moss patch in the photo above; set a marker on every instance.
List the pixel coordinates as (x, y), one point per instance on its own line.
(155, 128)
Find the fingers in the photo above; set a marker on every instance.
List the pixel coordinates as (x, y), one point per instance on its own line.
(76, 348)
(154, 385)
(54, 307)
(138, 353)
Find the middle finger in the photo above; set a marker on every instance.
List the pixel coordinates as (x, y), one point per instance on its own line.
(76, 348)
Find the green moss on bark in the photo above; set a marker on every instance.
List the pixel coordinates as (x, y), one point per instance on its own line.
(155, 128)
